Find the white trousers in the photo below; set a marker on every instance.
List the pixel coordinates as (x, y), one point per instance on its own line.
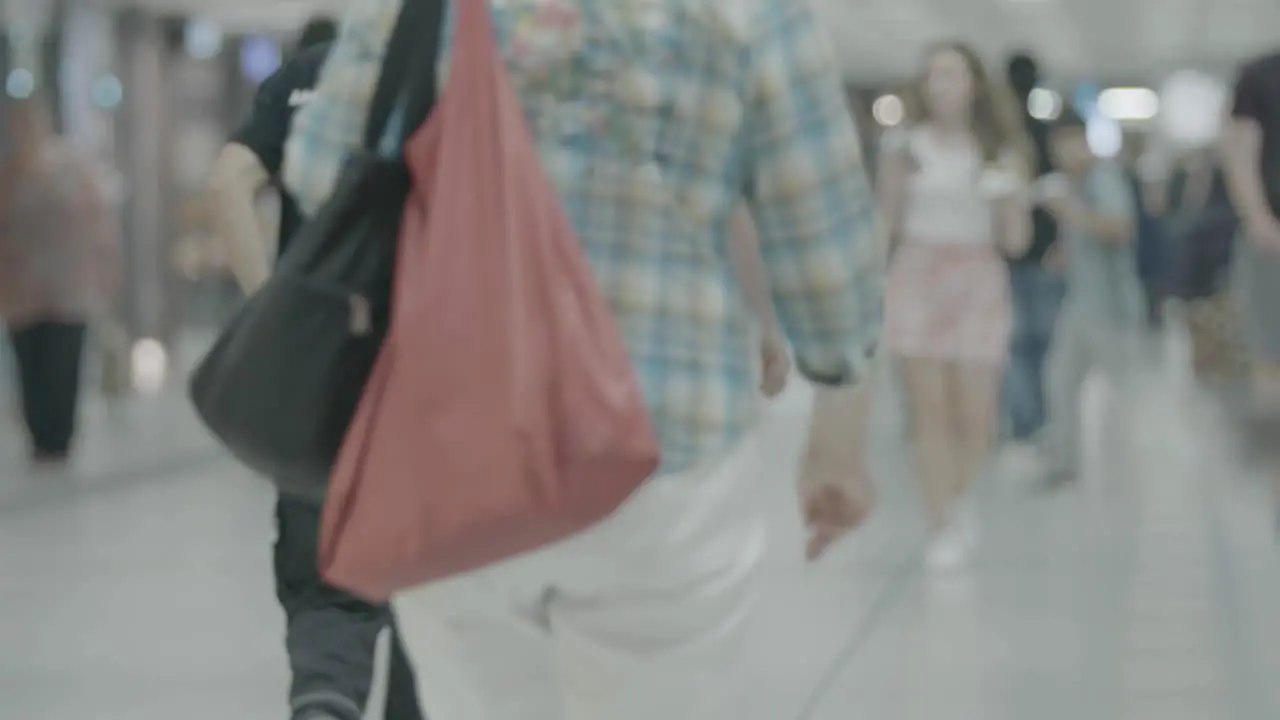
(641, 617)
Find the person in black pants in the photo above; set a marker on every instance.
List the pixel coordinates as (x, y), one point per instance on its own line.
(48, 356)
(59, 263)
(1037, 282)
(331, 635)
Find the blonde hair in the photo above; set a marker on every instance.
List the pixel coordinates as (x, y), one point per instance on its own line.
(996, 122)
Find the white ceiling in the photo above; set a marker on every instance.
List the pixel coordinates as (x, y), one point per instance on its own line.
(1107, 40)
(1110, 40)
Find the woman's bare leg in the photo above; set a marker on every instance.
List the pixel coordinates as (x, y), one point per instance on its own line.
(975, 389)
(932, 436)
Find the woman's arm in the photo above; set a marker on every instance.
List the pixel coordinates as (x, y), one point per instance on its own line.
(893, 167)
(1242, 158)
(1110, 214)
(1005, 182)
(1013, 225)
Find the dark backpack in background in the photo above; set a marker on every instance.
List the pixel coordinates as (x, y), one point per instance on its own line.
(1204, 241)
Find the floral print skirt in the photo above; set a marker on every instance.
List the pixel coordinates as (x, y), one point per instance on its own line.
(949, 303)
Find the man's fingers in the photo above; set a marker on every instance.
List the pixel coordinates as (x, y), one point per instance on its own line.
(832, 505)
(820, 540)
(774, 379)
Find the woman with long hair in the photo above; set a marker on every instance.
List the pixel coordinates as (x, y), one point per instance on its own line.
(952, 183)
(59, 261)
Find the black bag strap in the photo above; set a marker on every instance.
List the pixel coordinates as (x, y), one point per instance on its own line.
(408, 74)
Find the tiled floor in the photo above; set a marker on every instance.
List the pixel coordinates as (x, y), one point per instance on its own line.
(137, 587)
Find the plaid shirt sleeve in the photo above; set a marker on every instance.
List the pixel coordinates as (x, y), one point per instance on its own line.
(820, 238)
(331, 126)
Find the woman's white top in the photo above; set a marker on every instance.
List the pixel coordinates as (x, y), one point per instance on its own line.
(948, 196)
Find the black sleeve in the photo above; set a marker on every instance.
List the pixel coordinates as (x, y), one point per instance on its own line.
(1044, 153)
(267, 127)
(1249, 95)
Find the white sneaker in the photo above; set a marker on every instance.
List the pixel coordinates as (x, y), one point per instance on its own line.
(948, 551)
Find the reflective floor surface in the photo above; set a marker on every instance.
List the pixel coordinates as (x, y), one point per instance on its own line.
(136, 585)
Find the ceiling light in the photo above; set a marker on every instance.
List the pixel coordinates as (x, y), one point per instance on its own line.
(150, 366)
(1106, 137)
(888, 110)
(202, 39)
(1128, 104)
(20, 84)
(1192, 104)
(107, 92)
(1044, 104)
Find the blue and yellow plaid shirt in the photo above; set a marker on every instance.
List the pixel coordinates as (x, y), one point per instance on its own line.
(655, 119)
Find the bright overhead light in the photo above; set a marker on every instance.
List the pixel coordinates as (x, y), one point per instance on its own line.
(1128, 104)
(150, 365)
(1044, 104)
(20, 84)
(888, 110)
(1105, 136)
(202, 38)
(1192, 104)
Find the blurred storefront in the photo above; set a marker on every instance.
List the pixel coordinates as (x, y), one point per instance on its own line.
(151, 98)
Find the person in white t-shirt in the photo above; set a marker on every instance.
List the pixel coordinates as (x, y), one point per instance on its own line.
(952, 183)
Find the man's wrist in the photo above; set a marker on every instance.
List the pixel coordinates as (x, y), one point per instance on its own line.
(840, 419)
(1258, 222)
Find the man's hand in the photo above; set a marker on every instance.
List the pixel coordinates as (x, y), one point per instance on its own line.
(1264, 234)
(835, 500)
(775, 364)
(834, 487)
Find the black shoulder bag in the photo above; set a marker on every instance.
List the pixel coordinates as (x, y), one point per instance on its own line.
(281, 384)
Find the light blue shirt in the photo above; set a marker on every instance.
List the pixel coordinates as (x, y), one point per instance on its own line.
(655, 119)
(1102, 275)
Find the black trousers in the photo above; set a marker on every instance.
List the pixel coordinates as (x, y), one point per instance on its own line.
(48, 356)
(331, 635)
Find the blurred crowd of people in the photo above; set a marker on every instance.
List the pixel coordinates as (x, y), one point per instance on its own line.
(989, 307)
(1019, 264)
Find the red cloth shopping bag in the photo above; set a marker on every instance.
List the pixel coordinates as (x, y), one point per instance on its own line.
(503, 413)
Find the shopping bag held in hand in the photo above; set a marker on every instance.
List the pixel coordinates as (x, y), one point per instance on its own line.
(282, 382)
(503, 413)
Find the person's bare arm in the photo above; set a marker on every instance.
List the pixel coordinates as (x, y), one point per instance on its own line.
(1007, 185)
(893, 168)
(1111, 228)
(744, 252)
(237, 178)
(1113, 224)
(1241, 156)
(1013, 225)
(839, 427)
